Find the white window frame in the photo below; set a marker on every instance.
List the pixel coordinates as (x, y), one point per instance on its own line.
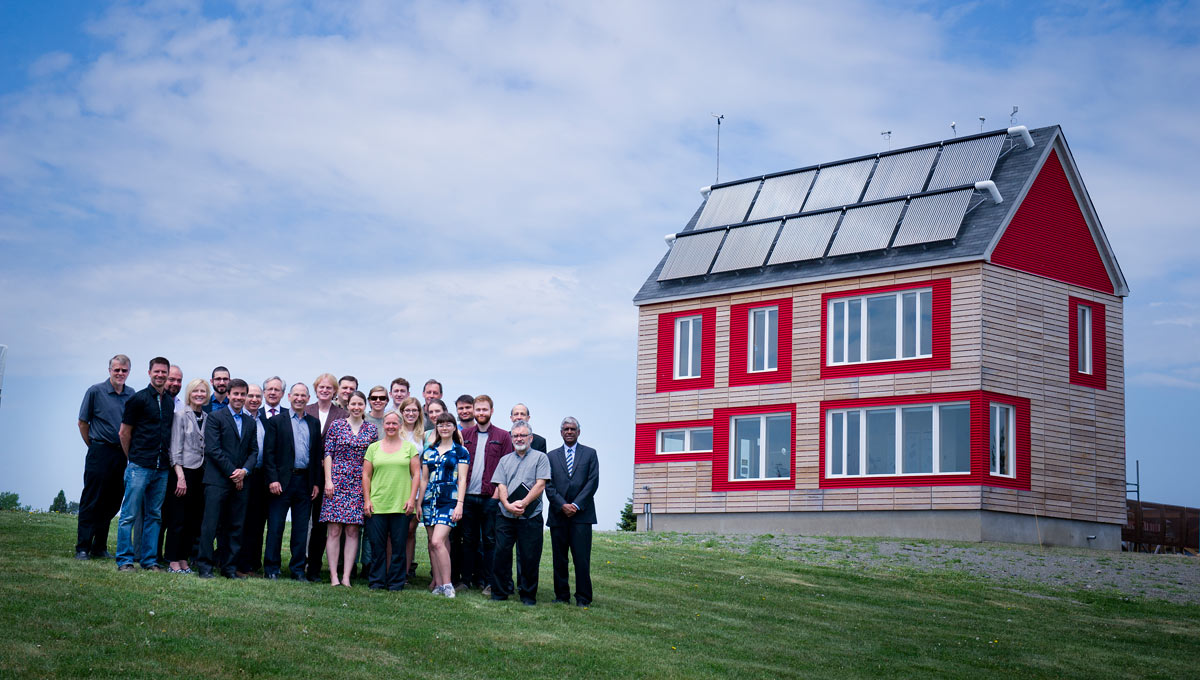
(993, 429)
(687, 440)
(1083, 336)
(762, 445)
(864, 330)
(695, 325)
(899, 439)
(770, 336)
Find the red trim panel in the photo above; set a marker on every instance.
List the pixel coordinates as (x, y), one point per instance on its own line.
(645, 442)
(980, 473)
(721, 451)
(666, 351)
(1049, 235)
(739, 346)
(1098, 378)
(940, 361)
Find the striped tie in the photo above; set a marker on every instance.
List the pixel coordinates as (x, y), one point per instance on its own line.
(571, 462)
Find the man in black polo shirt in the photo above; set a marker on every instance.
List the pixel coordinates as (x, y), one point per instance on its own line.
(99, 419)
(145, 437)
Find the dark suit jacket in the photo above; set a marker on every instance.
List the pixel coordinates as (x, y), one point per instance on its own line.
(539, 443)
(262, 413)
(279, 450)
(224, 450)
(579, 488)
(335, 412)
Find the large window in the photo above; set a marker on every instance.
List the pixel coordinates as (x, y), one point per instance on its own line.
(1083, 355)
(884, 327)
(764, 339)
(1001, 445)
(685, 440)
(687, 347)
(761, 447)
(899, 440)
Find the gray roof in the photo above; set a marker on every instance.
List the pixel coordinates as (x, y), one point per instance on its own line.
(973, 239)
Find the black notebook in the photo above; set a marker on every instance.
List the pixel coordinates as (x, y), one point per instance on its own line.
(518, 493)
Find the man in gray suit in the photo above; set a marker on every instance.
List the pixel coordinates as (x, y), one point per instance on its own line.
(574, 477)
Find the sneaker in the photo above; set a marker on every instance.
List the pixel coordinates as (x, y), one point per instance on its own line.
(487, 591)
(438, 591)
(448, 590)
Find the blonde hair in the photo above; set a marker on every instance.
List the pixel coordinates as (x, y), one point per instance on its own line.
(192, 385)
(419, 426)
(323, 377)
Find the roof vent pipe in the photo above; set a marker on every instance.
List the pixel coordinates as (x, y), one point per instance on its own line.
(705, 191)
(1024, 132)
(990, 187)
(669, 238)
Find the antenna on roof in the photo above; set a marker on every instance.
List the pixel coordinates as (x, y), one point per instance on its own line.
(1012, 117)
(887, 134)
(981, 119)
(954, 127)
(719, 117)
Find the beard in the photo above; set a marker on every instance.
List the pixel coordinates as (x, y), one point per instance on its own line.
(482, 421)
(520, 448)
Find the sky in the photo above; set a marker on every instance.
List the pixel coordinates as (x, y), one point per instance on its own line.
(474, 191)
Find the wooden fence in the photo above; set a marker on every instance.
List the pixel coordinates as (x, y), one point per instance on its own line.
(1154, 527)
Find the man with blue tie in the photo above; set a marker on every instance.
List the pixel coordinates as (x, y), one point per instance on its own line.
(230, 451)
(574, 477)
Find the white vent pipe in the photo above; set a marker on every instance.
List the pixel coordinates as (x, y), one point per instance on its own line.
(990, 187)
(1025, 136)
(669, 238)
(705, 191)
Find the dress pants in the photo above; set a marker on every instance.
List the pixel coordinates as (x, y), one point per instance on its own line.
(526, 536)
(224, 513)
(316, 541)
(103, 489)
(577, 538)
(183, 514)
(251, 556)
(296, 497)
(478, 525)
(380, 527)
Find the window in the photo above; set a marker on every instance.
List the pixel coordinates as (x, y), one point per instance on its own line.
(761, 447)
(1087, 343)
(1001, 443)
(899, 440)
(1083, 322)
(687, 347)
(884, 327)
(764, 339)
(688, 440)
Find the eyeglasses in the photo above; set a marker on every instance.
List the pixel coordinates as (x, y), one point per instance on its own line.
(521, 436)
(119, 370)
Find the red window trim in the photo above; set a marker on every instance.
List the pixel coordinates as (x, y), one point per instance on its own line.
(940, 361)
(980, 474)
(721, 452)
(645, 442)
(666, 351)
(1098, 378)
(739, 347)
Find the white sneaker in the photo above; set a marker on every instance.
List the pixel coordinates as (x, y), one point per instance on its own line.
(448, 590)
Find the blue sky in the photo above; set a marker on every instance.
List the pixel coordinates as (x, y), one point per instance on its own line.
(474, 191)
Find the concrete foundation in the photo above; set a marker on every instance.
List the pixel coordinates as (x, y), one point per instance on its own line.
(950, 525)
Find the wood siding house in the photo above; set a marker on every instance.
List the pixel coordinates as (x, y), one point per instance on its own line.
(925, 342)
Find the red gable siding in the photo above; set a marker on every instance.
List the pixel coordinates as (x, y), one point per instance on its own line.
(1049, 236)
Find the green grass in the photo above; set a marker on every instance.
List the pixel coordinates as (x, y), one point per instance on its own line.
(663, 609)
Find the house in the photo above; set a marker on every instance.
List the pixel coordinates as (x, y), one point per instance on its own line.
(925, 343)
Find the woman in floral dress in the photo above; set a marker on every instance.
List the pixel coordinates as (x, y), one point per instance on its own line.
(346, 444)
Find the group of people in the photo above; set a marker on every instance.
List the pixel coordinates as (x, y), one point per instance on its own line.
(218, 460)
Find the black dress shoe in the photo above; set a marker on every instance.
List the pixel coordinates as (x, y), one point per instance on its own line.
(204, 573)
(300, 577)
(106, 555)
(499, 598)
(272, 577)
(82, 555)
(558, 600)
(583, 604)
(233, 575)
(529, 603)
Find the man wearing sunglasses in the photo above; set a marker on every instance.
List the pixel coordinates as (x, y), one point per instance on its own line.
(104, 468)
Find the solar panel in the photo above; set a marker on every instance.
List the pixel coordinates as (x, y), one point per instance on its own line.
(901, 174)
(782, 195)
(691, 255)
(727, 205)
(804, 238)
(966, 162)
(933, 218)
(746, 247)
(839, 184)
(866, 228)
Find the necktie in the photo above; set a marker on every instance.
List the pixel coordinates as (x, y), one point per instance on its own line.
(273, 410)
(571, 462)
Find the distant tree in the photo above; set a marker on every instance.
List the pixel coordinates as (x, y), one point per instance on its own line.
(60, 502)
(10, 500)
(628, 521)
(72, 508)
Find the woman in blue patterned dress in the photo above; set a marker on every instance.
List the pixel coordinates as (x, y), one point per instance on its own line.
(443, 489)
(346, 444)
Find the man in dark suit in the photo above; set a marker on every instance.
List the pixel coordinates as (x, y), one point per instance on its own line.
(230, 450)
(574, 477)
(293, 451)
(521, 412)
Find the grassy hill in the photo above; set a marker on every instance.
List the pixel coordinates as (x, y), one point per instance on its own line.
(663, 609)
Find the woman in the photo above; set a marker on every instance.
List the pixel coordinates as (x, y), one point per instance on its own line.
(390, 481)
(342, 510)
(377, 401)
(443, 489)
(433, 409)
(412, 429)
(185, 489)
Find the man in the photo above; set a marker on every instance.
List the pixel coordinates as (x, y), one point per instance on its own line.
(431, 391)
(104, 468)
(399, 392)
(230, 449)
(273, 390)
(145, 439)
(520, 521)
(220, 389)
(487, 444)
(347, 386)
(293, 454)
(521, 412)
(465, 405)
(316, 536)
(174, 385)
(574, 477)
(249, 559)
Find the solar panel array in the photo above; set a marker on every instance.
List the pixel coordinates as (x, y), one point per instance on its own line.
(819, 212)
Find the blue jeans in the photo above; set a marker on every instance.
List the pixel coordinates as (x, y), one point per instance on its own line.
(145, 489)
